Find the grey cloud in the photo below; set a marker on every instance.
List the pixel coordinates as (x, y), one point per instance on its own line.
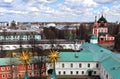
(7, 5)
(105, 1)
(44, 1)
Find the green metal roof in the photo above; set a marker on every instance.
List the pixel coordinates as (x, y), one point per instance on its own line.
(103, 32)
(112, 66)
(93, 36)
(90, 52)
(99, 52)
(83, 55)
(10, 61)
(94, 52)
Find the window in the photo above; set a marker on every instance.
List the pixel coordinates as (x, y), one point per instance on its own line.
(36, 66)
(19, 75)
(70, 45)
(64, 72)
(59, 73)
(76, 72)
(107, 76)
(94, 72)
(37, 73)
(82, 72)
(102, 30)
(29, 66)
(88, 65)
(8, 68)
(104, 72)
(80, 65)
(64, 46)
(97, 65)
(63, 65)
(3, 76)
(71, 65)
(2, 68)
(30, 74)
(8, 75)
(71, 72)
(105, 30)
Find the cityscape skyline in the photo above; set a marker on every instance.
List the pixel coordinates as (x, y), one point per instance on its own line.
(59, 10)
(60, 39)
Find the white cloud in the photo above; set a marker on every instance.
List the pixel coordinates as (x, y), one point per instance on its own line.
(78, 8)
(2, 10)
(45, 1)
(62, 10)
(80, 3)
(89, 3)
(106, 1)
(8, 1)
(33, 9)
(38, 2)
(16, 12)
(105, 10)
(73, 2)
(115, 10)
(112, 13)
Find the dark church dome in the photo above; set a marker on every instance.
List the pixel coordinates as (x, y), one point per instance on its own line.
(102, 19)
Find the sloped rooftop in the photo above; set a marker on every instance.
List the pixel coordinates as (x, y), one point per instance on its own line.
(90, 53)
(99, 52)
(112, 65)
(83, 55)
(93, 37)
(94, 52)
(16, 61)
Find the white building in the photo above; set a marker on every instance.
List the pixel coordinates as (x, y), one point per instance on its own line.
(91, 60)
(94, 39)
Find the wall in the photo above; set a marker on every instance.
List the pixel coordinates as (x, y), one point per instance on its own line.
(74, 68)
(104, 74)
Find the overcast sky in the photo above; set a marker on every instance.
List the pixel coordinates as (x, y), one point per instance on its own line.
(59, 10)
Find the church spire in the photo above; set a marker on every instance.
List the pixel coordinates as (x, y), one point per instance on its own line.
(95, 22)
(95, 18)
